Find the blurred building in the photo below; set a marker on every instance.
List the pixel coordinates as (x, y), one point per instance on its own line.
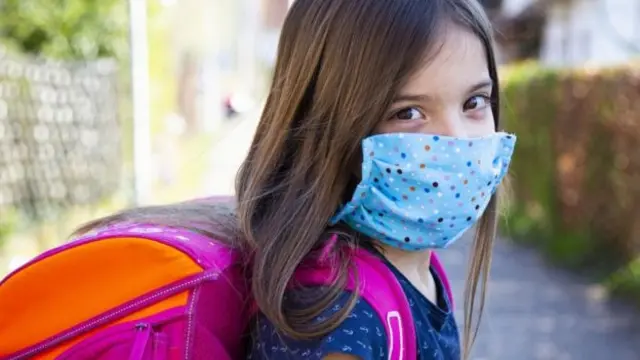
(222, 47)
(205, 40)
(601, 32)
(272, 17)
(569, 32)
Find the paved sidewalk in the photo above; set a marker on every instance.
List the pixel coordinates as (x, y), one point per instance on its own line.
(535, 311)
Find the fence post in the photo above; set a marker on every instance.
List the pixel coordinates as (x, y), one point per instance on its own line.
(140, 95)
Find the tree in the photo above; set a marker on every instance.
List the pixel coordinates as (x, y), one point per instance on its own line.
(65, 29)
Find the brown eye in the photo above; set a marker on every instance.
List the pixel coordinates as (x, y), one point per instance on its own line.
(408, 114)
(477, 102)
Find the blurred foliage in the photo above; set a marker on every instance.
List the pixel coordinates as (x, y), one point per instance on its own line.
(8, 223)
(71, 31)
(627, 280)
(576, 168)
(65, 29)
(83, 30)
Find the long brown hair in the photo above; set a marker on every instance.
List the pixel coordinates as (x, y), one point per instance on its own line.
(339, 64)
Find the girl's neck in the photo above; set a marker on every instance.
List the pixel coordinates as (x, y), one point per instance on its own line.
(408, 261)
(414, 265)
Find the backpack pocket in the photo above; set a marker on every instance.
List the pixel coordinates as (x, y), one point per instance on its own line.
(144, 339)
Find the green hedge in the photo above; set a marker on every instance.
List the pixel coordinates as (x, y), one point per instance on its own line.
(575, 177)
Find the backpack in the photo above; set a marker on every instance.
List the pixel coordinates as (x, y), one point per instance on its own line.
(130, 291)
(144, 292)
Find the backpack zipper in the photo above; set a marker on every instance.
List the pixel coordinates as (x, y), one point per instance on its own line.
(143, 334)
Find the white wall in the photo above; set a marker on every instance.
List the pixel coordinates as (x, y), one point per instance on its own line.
(512, 8)
(598, 32)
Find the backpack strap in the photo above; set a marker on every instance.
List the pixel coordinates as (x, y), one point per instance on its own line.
(378, 286)
(381, 289)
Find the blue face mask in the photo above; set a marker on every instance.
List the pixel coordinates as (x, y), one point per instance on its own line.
(423, 191)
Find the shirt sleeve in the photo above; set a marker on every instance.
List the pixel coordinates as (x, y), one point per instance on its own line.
(362, 335)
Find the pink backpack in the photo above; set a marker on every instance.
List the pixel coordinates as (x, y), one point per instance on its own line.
(142, 292)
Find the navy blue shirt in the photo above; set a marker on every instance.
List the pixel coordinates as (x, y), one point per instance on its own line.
(363, 335)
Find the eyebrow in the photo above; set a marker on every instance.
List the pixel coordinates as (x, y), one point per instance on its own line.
(481, 85)
(425, 98)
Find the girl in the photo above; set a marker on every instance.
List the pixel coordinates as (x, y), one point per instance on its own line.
(384, 84)
(379, 131)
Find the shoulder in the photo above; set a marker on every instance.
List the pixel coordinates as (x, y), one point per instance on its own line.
(361, 336)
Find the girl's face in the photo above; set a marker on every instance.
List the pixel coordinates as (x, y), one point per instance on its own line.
(449, 95)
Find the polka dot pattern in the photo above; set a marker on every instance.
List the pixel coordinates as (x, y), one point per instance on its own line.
(422, 191)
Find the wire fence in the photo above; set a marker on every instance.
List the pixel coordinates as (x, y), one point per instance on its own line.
(60, 137)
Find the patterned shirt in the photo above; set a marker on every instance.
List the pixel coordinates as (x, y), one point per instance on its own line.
(363, 335)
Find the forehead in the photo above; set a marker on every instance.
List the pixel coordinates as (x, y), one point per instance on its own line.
(457, 61)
